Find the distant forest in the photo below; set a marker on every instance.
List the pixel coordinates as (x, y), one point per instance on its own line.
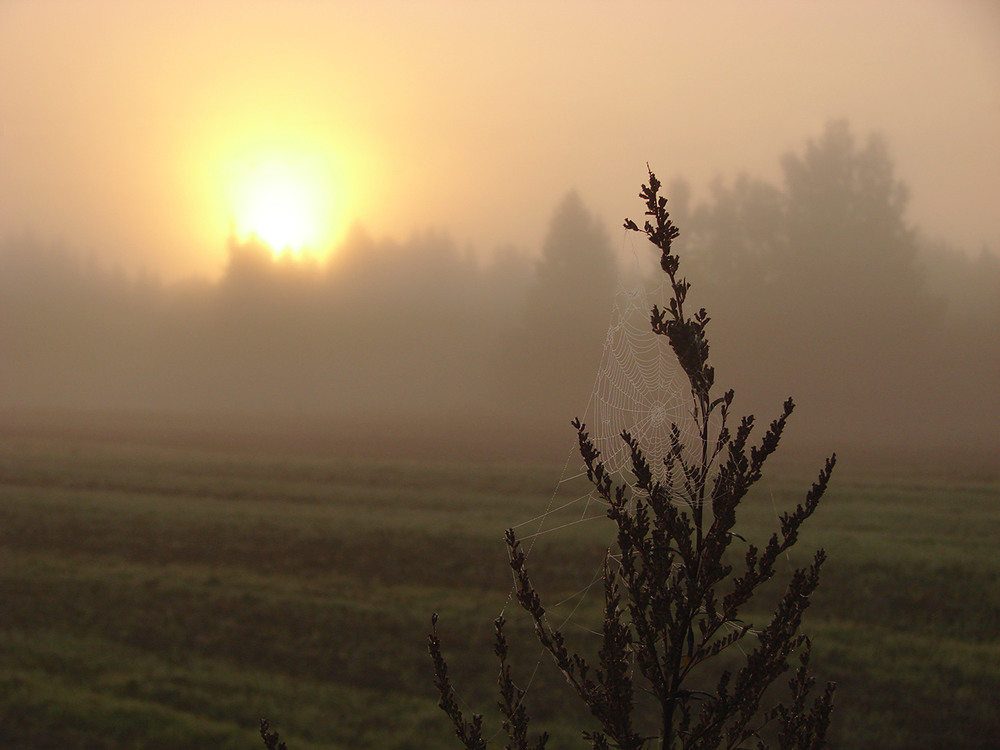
(817, 288)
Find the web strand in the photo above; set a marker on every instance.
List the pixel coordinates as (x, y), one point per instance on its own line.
(638, 388)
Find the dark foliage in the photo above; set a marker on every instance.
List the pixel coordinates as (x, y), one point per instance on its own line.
(271, 739)
(673, 594)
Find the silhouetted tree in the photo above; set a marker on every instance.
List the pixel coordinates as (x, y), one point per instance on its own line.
(549, 354)
(738, 241)
(831, 246)
(849, 245)
(827, 257)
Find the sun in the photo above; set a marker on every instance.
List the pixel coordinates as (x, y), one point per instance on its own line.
(285, 199)
(280, 210)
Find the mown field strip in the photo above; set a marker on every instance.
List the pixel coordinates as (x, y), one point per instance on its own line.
(162, 598)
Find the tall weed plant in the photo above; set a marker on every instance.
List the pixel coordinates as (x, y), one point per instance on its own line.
(677, 583)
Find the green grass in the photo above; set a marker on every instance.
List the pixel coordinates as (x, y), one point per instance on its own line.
(161, 598)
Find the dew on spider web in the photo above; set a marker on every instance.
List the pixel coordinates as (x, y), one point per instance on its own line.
(640, 388)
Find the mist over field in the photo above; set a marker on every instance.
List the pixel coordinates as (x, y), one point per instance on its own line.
(817, 285)
(391, 223)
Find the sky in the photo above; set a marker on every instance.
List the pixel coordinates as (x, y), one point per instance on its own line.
(146, 133)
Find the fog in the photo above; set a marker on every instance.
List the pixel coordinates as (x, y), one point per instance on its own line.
(817, 287)
(834, 173)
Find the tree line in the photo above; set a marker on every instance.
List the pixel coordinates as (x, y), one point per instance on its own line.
(423, 326)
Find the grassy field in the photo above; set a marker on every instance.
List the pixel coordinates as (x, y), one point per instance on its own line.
(160, 598)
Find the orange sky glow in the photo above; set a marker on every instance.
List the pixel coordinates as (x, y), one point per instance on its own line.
(147, 132)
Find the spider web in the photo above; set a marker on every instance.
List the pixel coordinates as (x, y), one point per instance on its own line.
(639, 387)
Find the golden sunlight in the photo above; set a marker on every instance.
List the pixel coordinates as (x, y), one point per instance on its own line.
(287, 200)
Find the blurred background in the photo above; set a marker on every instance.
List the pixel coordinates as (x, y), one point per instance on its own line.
(396, 228)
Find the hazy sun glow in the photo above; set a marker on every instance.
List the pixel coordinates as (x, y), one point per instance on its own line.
(285, 199)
